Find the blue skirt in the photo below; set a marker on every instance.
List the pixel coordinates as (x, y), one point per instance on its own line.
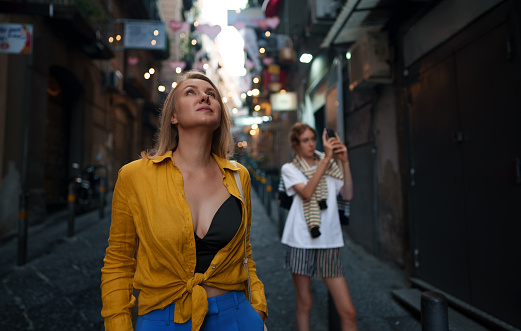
(227, 312)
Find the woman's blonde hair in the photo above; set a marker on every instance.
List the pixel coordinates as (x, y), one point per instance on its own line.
(296, 130)
(167, 136)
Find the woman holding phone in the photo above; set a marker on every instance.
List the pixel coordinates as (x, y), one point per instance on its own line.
(312, 232)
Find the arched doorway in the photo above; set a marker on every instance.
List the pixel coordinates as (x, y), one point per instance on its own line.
(63, 90)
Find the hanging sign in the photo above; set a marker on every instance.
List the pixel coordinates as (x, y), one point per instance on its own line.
(284, 101)
(143, 34)
(16, 38)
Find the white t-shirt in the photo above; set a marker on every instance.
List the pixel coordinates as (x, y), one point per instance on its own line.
(296, 233)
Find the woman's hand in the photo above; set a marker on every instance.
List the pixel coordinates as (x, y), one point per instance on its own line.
(339, 150)
(261, 314)
(328, 145)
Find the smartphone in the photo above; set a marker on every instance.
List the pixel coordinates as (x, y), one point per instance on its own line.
(330, 133)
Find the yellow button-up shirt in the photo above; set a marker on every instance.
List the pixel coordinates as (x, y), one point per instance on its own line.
(152, 246)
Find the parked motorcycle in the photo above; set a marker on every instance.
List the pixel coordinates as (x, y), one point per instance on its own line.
(86, 186)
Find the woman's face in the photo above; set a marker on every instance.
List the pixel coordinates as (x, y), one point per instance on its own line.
(307, 144)
(196, 104)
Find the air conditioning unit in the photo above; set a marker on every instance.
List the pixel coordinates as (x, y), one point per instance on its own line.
(370, 61)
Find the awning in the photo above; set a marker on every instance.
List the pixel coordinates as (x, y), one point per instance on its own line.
(356, 18)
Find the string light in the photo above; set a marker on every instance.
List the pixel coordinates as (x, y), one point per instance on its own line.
(147, 75)
(161, 88)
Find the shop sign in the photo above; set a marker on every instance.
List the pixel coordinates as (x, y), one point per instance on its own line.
(16, 38)
(143, 34)
(283, 101)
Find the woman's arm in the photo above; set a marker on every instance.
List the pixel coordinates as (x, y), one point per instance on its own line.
(306, 190)
(119, 263)
(340, 154)
(257, 288)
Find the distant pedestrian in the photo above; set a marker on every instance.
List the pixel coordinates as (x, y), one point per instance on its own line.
(312, 231)
(180, 226)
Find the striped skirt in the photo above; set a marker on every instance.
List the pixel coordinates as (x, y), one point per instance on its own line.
(313, 262)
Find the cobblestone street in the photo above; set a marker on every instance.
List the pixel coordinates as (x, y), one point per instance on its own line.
(58, 288)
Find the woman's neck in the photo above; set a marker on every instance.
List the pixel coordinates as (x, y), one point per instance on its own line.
(309, 160)
(193, 150)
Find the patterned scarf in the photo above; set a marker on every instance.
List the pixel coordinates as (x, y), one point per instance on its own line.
(317, 202)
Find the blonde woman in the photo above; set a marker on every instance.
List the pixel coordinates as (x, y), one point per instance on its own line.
(312, 231)
(178, 226)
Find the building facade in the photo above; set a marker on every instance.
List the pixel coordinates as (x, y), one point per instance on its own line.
(78, 98)
(426, 97)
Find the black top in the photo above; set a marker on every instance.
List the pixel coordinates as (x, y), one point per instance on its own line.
(223, 228)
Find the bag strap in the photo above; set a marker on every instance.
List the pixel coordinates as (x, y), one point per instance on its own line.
(245, 259)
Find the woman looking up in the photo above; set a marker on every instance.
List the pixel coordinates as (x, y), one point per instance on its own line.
(179, 224)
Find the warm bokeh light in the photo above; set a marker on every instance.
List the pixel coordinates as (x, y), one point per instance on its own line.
(151, 71)
(255, 92)
(262, 50)
(194, 42)
(225, 99)
(256, 80)
(111, 39)
(153, 42)
(252, 132)
(118, 37)
(196, 24)
(243, 95)
(161, 88)
(283, 91)
(178, 70)
(174, 84)
(267, 33)
(156, 32)
(235, 110)
(147, 75)
(206, 66)
(257, 108)
(254, 126)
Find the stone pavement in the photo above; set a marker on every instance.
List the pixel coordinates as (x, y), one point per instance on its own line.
(58, 288)
(370, 282)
